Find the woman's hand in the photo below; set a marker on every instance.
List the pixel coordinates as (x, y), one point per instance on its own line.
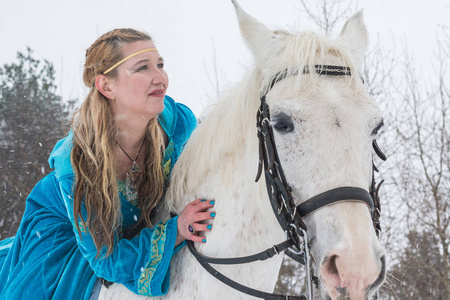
(190, 221)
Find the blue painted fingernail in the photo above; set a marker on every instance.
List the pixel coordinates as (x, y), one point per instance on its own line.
(213, 215)
(204, 240)
(209, 226)
(203, 200)
(212, 202)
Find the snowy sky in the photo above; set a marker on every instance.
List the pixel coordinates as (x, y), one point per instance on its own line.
(192, 35)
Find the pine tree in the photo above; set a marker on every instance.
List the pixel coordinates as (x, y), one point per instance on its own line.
(421, 272)
(32, 118)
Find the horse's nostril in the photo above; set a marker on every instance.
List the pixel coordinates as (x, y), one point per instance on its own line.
(344, 273)
(331, 265)
(330, 273)
(382, 275)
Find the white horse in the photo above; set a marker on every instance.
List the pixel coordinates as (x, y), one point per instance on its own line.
(323, 127)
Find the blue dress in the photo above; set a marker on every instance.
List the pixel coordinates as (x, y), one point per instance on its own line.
(48, 259)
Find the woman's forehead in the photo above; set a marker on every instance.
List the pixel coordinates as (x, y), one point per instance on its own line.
(141, 50)
(134, 47)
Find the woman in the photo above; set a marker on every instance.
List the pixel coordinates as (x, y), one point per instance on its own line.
(91, 217)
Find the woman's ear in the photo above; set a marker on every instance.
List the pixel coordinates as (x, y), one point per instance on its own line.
(102, 83)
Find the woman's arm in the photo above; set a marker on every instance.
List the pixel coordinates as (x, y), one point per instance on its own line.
(141, 263)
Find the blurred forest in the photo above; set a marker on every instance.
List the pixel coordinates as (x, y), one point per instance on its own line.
(415, 197)
(32, 119)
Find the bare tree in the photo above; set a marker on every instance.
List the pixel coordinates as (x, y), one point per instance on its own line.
(423, 180)
(325, 13)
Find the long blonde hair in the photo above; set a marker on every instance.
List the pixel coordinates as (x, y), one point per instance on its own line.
(92, 156)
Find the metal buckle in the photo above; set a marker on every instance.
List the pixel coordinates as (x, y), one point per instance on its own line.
(304, 251)
(299, 241)
(308, 263)
(275, 250)
(294, 213)
(265, 120)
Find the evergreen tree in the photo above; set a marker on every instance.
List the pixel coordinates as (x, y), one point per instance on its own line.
(32, 119)
(421, 272)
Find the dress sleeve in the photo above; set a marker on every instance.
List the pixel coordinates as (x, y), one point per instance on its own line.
(141, 263)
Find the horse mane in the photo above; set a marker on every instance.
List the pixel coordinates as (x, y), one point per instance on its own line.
(231, 123)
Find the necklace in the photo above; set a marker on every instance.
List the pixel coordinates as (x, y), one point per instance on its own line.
(134, 168)
(132, 182)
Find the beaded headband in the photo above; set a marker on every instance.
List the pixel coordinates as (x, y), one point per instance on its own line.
(127, 58)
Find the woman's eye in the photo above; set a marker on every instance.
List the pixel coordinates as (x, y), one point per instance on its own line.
(144, 67)
(160, 66)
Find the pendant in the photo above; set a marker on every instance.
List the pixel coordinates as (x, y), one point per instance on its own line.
(131, 190)
(135, 168)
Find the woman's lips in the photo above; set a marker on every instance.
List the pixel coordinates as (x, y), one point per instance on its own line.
(157, 93)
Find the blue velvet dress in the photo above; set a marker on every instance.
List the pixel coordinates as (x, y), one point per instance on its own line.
(48, 259)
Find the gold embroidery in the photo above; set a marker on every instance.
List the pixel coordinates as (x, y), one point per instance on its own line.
(83, 229)
(158, 242)
(167, 162)
(166, 169)
(122, 185)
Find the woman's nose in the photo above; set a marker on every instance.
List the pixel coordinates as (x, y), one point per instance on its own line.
(159, 77)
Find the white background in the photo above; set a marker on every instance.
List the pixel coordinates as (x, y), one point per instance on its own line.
(193, 36)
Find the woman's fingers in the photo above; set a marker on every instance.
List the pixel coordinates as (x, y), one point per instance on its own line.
(189, 221)
(198, 209)
(203, 216)
(198, 227)
(198, 239)
(196, 201)
(202, 204)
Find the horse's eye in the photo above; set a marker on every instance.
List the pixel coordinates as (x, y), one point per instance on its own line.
(282, 123)
(377, 129)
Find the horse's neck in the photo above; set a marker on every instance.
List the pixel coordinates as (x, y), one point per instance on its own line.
(220, 163)
(243, 211)
(244, 225)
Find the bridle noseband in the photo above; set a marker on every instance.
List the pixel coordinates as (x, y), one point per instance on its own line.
(289, 216)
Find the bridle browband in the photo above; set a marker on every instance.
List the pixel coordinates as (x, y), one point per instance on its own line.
(289, 216)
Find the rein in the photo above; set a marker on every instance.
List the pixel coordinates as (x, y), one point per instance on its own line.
(289, 216)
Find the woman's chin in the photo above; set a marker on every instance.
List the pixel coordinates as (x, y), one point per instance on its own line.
(153, 113)
(158, 107)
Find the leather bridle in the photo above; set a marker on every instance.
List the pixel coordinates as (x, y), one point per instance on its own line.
(289, 216)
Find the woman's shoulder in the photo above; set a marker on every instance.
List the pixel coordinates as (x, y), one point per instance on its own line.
(177, 119)
(60, 157)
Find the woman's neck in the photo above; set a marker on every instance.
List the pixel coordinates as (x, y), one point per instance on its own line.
(129, 145)
(130, 137)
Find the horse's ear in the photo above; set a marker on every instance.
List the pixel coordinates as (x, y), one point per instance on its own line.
(354, 37)
(260, 39)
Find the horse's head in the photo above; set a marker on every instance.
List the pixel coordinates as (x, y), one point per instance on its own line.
(324, 127)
